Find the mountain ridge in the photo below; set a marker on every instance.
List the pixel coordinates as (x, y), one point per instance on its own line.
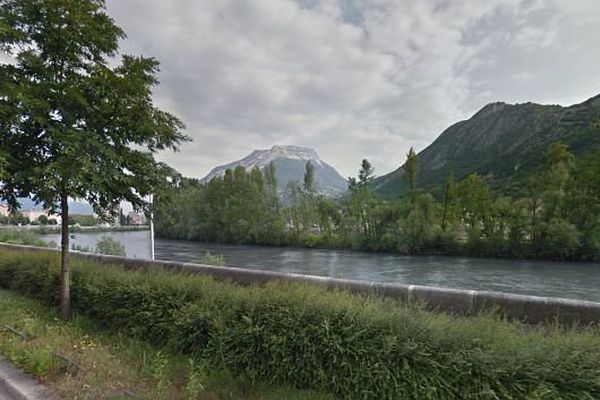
(502, 142)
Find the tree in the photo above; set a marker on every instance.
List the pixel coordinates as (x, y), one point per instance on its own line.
(122, 217)
(361, 202)
(2, 164)
(475, 204)
(418, 225)
(560, 162)
(562, 239)
(410, 169)
(583, 206)
(309, 178)
(73, 125)
(450, 206)
(271, 196)
(365, 173)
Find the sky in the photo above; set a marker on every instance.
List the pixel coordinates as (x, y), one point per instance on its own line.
(353, 79)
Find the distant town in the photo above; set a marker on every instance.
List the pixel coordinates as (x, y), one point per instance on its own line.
(43, 217)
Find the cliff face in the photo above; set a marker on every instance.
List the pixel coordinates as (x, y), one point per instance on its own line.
(502, 142)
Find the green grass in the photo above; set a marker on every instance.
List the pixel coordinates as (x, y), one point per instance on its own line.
(113, 364)
(285, 334)
(23, 236)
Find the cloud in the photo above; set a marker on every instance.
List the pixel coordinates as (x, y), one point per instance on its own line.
(353, 79)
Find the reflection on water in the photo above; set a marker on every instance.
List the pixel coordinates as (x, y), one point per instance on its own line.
(541, 278)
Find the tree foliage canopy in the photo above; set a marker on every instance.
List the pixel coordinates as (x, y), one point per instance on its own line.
(72, 123)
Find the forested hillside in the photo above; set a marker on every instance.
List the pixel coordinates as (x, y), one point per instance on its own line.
(557, 216)
(503, 143)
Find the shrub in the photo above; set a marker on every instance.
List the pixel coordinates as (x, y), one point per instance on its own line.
(23, 236)
(82, 248)
(109, 246)
(351, 346)
(212, 259)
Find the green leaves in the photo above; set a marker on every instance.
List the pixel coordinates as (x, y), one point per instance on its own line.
(75, 125)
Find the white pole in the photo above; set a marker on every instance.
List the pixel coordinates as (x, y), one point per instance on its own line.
(151, 229)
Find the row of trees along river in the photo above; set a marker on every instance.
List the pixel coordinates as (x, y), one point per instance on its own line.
(558, 218)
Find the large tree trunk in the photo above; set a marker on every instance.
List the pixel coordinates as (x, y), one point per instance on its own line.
(65, 294)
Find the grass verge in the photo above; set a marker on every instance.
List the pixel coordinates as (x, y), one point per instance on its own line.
(308, 338)
(82, 361)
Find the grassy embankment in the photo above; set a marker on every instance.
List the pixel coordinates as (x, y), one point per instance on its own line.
(47, 229)
(55, 229)
(306, 337)
(107, 365)
(28, 237)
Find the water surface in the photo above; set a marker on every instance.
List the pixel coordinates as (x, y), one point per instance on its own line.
(540, 278)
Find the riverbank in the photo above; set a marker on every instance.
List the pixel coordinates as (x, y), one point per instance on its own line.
(442, 248)
(52, 229)
(81, 360)
(304, 336)
(573, 280)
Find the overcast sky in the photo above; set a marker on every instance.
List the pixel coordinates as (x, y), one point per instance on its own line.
(353, 78)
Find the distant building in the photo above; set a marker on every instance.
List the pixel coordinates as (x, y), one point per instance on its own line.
(136, 218)
(4, 210)
(34, 215)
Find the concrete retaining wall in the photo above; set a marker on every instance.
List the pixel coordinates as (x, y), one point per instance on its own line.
(531, 309)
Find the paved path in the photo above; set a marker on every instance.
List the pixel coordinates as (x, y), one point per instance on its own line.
(13, 380)
(4, 396)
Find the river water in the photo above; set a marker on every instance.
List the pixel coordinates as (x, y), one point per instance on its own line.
(540, 278)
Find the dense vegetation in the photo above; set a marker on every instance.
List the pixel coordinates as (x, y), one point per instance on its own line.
(23, 236)
(77, 121)
(307, 337)
(80, 359)
(503, 142)
(107, 245)
(557, 218)
(15, 218)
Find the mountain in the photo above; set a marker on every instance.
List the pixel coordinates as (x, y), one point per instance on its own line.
(290, 162)
(502, 142)
(75, 207)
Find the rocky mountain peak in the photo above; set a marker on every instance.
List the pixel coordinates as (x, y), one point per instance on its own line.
(490, 108)
(292, 152)
(289, 164)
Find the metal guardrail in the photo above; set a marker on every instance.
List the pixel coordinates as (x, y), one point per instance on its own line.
(531, 309)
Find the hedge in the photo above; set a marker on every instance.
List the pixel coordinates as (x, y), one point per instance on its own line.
(307, 337)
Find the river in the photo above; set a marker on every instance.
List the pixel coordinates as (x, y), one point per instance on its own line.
(540, 278)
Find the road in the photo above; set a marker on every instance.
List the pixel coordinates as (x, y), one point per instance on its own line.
(4, 396)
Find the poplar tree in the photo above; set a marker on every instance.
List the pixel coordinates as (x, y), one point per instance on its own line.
(74, 125)
(410, 168)
(361, 200)
(309, 177)
(450, 200)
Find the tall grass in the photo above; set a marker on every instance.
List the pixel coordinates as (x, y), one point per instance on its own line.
(78, 359)
(307, 337)
(24, 236)
(212, 259)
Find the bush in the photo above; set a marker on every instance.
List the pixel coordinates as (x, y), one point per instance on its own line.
(212, 259)
(562, 239)
(109, 246)
(82, 220)
(23, 236)
(351, 346)
(82, 248)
